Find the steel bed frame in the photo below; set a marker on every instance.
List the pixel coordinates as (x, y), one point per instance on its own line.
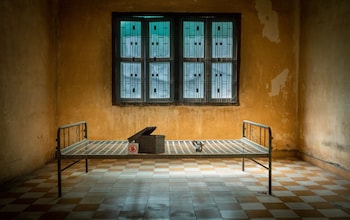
(73, 143)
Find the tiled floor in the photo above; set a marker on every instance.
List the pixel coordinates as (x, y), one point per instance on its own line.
(178, 189)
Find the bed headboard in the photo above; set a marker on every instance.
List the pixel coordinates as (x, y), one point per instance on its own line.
(71, 134)
(257, 133)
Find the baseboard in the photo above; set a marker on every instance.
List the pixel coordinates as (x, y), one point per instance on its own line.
(325, 165)
(281, 154)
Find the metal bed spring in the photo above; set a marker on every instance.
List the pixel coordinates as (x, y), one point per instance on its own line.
(73, 143)
(103, 149)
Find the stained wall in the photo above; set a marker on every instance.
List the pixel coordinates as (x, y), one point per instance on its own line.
(55, 68)
(325, 82)
(27, 86)
(267, 83)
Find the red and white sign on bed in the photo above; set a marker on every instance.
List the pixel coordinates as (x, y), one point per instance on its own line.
(133, 148)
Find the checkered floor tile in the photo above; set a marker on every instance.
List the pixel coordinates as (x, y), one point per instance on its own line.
(178, 189)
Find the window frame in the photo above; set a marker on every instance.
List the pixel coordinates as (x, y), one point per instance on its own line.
(176, 58)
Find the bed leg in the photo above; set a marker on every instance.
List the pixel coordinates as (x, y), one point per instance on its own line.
(270, 175)
(86, 165)
(59, 180)
(243, 164)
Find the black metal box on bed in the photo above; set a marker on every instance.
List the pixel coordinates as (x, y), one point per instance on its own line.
(256, 142)
(151, 144)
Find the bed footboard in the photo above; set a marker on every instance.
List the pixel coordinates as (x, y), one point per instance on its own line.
(69, 136)
(260, 135)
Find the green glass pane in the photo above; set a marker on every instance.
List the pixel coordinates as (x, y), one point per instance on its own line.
(159, 39)
(130, 80)
(222, 39)
(193, 39)
(130, 39)
(159, 79)
(221, 81)
(193, 81)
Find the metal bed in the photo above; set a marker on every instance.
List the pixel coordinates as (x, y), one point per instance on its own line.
(73, 143)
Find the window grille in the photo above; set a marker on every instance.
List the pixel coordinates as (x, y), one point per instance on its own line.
(175, 58)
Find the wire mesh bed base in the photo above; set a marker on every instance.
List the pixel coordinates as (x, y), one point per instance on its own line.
(114, 149)
(73, 143)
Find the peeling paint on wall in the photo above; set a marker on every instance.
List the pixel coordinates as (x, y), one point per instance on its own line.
(279, 82)
(269, 18)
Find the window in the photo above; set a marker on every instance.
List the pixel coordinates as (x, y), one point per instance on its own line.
(175, 58)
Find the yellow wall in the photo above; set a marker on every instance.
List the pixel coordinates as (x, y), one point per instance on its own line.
(268, 76)
(325, 82)
(27, 86)
(55, 68)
